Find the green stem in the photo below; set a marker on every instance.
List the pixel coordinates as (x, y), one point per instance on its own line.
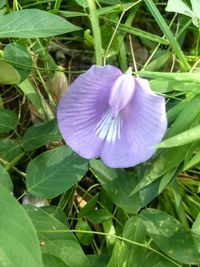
(57, 6)
(165, 29)
(94, 19)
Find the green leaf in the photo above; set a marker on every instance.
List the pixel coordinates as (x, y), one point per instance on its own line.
(118, 184)
(178, 242)
(50, 261)
(36, 98)
(9, 149)
(196, 226)
(181, 139)
(150, 189)
(179, 77)
(41, 134)
(8, 74)
(82, 3)
(33, 23)
(98, 260)
(5, 179)
(20, 59)
(165, 86)
(178, 6)
(8, 120)
(192, 162)
(55, 171)
(155, 260)
(56, 236)
(132, 254)
(158, 62)
(19, 244)
(196, 8)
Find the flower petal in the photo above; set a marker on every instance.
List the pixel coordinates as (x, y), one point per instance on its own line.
(144, 125)
(83, 106)
(121, 93)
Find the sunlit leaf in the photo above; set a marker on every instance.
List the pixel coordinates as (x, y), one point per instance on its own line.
(33, 23)
(19, 244)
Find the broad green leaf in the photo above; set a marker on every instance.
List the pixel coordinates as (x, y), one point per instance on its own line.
(19, 58)
(98, 260)
(156, 260)
(33, 23)
(118, 184)
(132, 255)
(55, 171)
(5, 179)
(8, 120)
(84, 238)
(19, 244)
(41, 134)
(178, 6)
(9, 149)
(181, 139)
(171, 236)
(51, 261)
(82, 3)
(196, 8)
(8, 74)
(57, 239)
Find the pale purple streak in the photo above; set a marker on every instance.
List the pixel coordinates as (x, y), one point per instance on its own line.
(113, 116)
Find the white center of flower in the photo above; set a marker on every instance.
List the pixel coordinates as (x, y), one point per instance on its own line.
(109, 128)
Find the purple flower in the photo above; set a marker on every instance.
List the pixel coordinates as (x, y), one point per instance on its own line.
(112, 115)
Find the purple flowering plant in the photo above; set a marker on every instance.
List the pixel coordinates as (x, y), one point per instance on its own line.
(102, 168)
(112, 115)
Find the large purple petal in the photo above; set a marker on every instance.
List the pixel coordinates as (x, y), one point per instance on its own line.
(144, 125)
(83, 106)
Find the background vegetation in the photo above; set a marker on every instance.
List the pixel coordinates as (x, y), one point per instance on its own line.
(59, 210)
